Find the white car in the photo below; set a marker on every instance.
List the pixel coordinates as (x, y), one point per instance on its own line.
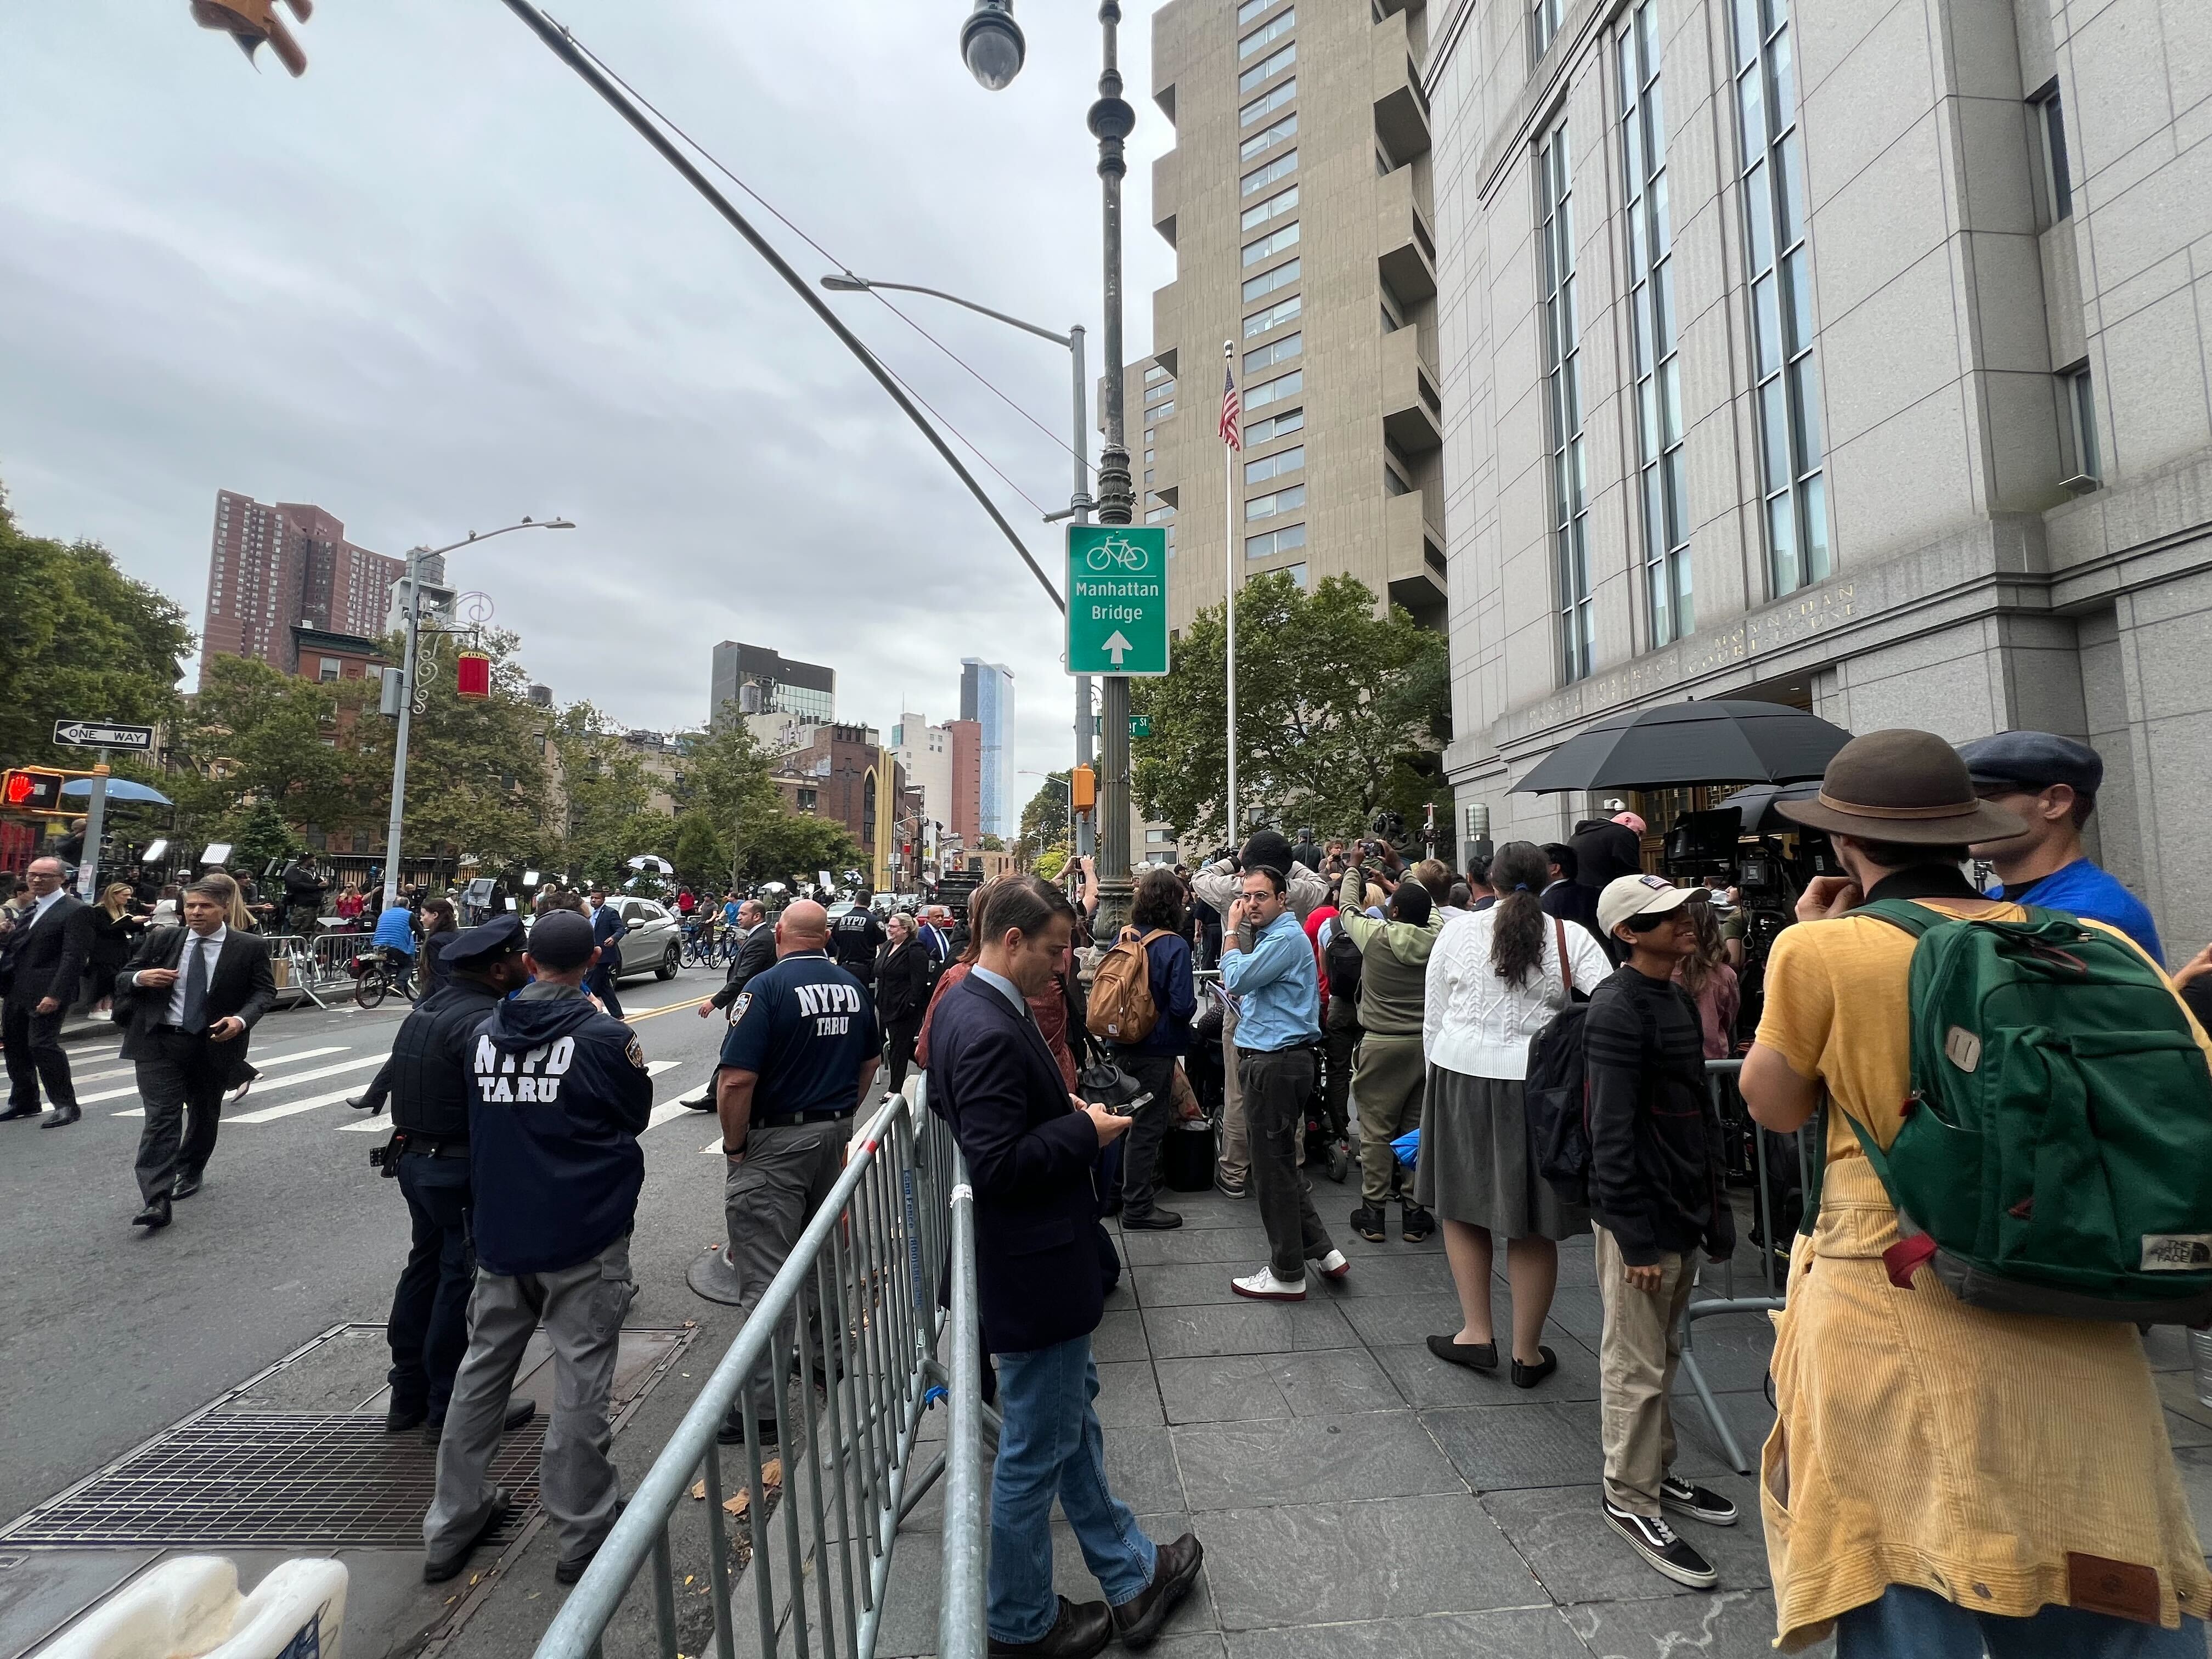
(654, 943)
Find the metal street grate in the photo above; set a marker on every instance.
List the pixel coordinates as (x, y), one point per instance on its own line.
(245, 1479)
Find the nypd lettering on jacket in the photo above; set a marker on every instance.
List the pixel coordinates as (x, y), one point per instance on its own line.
(831, 1007)
(535, 1074)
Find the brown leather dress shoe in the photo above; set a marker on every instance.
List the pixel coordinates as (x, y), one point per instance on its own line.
(1138, 1619)
(1082, 1629)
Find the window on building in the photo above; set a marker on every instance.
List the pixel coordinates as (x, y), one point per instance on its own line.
(2079, 422)
(1393, 483)
(1564, 409)
(1160, 413)
(1159, 514)
(1654, 361)
(1290, 538)
(1789, 386)
(1272, 30)
(1272, 244)
(1275, 426)
(1543, 18)
(2058, 173)
(1275, 351)
(1268, 68)
(1267, 103)
(1157, 390)
(1250, 10)
(1268, 281)
(1268, 391)
(1261, 177)
(1280, 501)
(1155, 373)
(329, 669)
(1273, 207)
(1283, 311)
(1297, 573)
(1276, 132)
(1273, 466)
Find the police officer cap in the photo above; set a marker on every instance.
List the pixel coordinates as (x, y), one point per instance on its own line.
(561, 939)
(2034, 759)
(479, 947)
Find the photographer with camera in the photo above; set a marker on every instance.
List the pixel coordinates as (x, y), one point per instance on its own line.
(427, 1075)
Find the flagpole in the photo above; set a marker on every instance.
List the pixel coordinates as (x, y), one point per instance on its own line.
(1229, 571)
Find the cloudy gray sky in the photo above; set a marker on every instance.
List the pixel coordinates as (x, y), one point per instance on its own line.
(436, 284)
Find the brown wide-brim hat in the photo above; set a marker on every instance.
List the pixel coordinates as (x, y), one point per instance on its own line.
(1902, 786)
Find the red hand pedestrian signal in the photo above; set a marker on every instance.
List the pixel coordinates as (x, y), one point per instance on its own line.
(31, 789)
(251, 22)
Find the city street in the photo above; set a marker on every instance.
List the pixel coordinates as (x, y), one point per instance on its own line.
(111, 1335)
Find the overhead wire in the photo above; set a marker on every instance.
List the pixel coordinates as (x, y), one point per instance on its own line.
(776, 213)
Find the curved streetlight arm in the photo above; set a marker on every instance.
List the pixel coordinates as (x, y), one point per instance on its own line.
(527, 524)
(862, 284)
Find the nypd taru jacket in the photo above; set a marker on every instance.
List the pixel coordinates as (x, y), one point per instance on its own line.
(559, 1095)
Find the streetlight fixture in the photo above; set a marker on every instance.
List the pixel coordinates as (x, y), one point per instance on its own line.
(1111, 120)
(845, 282)
(415, 558)
(991, 44)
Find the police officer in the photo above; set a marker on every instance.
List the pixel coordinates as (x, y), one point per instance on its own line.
(558, 1095)
(802, 1051)
(427, 1075)
(854, 939)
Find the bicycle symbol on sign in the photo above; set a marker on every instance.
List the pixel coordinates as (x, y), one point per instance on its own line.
(1116, 551)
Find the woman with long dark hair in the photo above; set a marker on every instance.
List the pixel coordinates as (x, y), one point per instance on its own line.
(440, 925)
(1496, 978)
(1710, 982)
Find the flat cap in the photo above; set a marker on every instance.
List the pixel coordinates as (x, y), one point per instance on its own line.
(501, 936)
(2034, 759)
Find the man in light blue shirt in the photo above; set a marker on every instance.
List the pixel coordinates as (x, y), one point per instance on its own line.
(1267, 964)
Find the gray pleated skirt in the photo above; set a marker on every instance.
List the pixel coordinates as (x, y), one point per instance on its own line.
(1476, 1164)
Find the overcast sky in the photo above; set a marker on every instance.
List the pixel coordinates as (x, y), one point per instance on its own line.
(437, 285)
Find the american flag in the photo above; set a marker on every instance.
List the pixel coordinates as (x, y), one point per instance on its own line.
(1230, 410)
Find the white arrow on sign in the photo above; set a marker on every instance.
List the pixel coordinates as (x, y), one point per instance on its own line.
(1117, 646)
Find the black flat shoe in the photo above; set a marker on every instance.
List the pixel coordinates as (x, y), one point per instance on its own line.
(397, 1419)
(1476, 1356)
(1527, 1376)
(1154, 1220)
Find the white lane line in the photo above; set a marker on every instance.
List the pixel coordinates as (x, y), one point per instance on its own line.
(291, 1107)
(712, 1148)
(274, 1059)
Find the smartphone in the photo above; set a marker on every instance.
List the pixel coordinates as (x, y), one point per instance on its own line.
(1128, 1107)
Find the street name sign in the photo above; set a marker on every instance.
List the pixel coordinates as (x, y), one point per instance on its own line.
(1117, 598)
(104, 734)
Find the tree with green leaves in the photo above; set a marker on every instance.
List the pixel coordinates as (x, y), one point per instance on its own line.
(79, 640)
(1340, 713)
(729, 812)
(256, 734)
(606, 788)
(1044, 822)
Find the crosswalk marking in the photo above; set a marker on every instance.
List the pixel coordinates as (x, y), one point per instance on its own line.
(274, 1059)
(290, 1108)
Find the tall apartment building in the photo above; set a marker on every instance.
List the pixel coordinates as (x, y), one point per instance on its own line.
(762, 681)
(1297, 198)
(1849, 355)
(986, 696)
(272, 568)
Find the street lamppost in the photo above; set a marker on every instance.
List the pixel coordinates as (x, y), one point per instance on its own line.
(1067, 786)
(992, 45)
(1079, 503)
(415, 558)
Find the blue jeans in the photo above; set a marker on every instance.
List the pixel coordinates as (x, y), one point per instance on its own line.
(1912, 1623)
(1050, 1442)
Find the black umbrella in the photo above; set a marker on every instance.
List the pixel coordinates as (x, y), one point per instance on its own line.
(1690, 743)
(1757, 804)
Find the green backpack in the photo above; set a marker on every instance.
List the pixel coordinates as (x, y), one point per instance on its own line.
(2056, 1155)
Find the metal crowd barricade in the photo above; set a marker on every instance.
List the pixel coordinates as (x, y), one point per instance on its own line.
(1720, 1078)
(871, 1261)
(292, 964)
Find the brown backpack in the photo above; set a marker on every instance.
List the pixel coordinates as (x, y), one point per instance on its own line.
(1121, 1008)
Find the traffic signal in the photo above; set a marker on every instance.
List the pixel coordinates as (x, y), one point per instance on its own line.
(31, 789)
(249, 22)
(1083, 788)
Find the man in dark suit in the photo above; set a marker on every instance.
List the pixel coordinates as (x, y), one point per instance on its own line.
(755, 955)
(1566, 898)
(607, 930)
(43, 958)
(1031, 1148)
(190, 995)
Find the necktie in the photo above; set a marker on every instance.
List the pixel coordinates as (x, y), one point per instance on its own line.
(194, 1019)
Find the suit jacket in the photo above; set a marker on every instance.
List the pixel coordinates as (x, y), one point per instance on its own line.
(47, 958)
(755, 955)
(1030, 1158)
(902, 981)
(1570, 901)
(241, 985)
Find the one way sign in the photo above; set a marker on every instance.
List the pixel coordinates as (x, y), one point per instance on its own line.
(104, 734)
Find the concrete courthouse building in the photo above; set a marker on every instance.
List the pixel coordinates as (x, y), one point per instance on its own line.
(1848, 354)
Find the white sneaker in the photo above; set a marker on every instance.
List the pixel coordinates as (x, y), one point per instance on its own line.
(1264, 1286)
(1334, 1266)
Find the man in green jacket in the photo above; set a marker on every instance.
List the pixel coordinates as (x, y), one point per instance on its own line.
(1386, 1088)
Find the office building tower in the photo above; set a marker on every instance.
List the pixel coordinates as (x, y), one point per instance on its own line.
(1296, 199)
(986, 696)
(761, 681)
(1845, 357)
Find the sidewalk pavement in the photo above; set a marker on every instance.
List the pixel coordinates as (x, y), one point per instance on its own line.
(1360, 1499)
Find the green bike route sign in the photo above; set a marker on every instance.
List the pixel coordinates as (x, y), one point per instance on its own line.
(1117, 598)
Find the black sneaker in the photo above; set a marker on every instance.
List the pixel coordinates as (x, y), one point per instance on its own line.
(732, 1432)
(1700, 1503)
(1416, 1223)
(1154, 1220)
(1370, 1224)
(1654, 1540)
